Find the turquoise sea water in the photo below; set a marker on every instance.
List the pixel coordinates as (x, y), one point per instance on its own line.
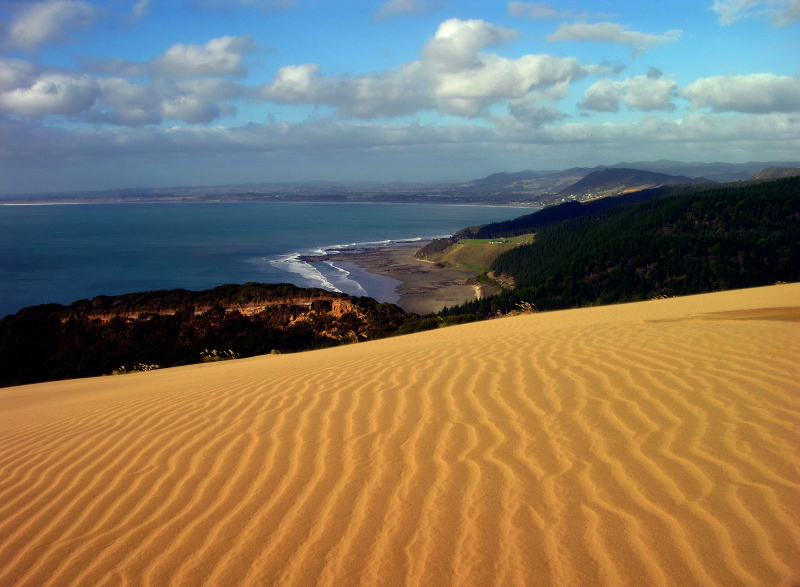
(63, 253)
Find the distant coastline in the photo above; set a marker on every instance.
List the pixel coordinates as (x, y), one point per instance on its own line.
(521, 188)
(218, 195)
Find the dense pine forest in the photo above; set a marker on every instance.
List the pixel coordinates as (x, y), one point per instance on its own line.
(716, 239)
(572, 209)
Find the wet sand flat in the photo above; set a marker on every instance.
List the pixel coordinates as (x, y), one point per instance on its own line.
(424, 289)
(655, 443)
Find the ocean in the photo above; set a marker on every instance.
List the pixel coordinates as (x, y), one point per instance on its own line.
(63, 253)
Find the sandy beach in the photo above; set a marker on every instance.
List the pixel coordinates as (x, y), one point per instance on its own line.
(649, 444)
(424, 289)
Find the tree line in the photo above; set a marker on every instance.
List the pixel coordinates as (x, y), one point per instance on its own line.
(716, 239)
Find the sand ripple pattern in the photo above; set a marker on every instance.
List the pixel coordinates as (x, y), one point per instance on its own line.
(641, 445)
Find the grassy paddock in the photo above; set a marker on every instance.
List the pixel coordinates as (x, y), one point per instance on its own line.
(476, 255)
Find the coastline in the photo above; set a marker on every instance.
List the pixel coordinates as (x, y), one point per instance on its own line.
(155, 246)
(422, 288)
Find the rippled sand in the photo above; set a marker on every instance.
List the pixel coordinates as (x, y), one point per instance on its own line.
(645, 444)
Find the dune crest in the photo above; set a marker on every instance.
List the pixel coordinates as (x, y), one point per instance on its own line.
(644, 444)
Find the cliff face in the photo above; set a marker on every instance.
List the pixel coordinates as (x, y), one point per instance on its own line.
(175, 327)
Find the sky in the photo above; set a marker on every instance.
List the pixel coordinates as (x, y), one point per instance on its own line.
(144, 93)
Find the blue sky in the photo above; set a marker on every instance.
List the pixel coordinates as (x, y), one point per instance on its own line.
(142, 93)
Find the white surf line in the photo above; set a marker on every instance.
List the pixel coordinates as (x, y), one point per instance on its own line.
(293, 264)
(346, 277)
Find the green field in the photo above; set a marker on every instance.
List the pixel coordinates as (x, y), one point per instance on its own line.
(476, 255)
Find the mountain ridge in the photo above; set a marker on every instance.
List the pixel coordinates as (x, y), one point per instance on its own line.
(617, 180)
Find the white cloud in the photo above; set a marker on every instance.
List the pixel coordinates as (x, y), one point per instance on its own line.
(139, 10)
(183, 86)
(194, 101)
(52, 21)
(15, 73)
(756, 93)
(26, 91)
(453, 77)
(468, 92)
(125, 102)
(781, 12)
(529, 110)
(220, 56)
(613, 33)
(647, 93)
(210, 88)
(534, 10)
(189, 109)
(457, 42)
(52, 93)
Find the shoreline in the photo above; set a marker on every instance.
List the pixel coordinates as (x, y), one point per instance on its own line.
(423, 288)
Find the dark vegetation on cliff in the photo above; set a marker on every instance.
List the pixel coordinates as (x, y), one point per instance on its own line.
(717, 239)
(166, 328)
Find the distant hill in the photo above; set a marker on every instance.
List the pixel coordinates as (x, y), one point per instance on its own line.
(543, 185)
(776, 173)
(612, 181)
(717, 171)
(503, 180)
(527, 182)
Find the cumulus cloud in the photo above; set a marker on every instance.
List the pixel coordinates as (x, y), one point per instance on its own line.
(529, 110)
(51, 93)
(220, 56)
(457, 42)
(756, 93)
(15, 73)
(782, 12)
(184, 84)
(27, 91)
(613, 33)
(51, 21)
(646, 93)
(453, 77)
(217, 57)
(194, 101)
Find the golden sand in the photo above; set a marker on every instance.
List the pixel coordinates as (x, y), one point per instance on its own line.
(646, 444)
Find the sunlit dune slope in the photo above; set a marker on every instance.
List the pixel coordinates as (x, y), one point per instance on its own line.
(651, 444)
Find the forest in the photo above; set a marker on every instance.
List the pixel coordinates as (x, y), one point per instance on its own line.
(672, 245)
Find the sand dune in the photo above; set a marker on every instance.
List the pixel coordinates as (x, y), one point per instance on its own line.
(648, 444)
